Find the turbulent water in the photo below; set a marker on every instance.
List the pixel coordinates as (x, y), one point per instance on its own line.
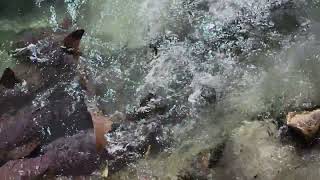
(261, 57)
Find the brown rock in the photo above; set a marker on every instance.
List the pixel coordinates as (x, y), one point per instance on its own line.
(306, 123)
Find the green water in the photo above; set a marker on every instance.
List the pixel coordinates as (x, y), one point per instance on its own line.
(259, 65)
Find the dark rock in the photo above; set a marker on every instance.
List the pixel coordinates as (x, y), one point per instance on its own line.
(147, 99)
(154, 49)
(202, 164)
(215, 154)
(131, 140)
(190, 176)
(209, 94)
(149, 106)
(19, 8)
(203, 6)
(285, 17)
(252, 146)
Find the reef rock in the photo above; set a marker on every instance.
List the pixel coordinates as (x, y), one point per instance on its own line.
(306, 123)
(254, 152)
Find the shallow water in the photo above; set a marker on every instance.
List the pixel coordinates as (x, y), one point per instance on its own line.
(261, 57)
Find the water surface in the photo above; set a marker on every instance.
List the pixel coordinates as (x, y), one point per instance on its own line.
(260, 56)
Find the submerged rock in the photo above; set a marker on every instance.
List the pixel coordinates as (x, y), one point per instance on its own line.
(131, 141)
(254, 152)
(306, 123)
(202, 164)
(285, 16)
(149, 106)
(209, 94)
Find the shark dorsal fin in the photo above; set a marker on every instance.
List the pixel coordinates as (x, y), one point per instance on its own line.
(8, 79)
(72, 41)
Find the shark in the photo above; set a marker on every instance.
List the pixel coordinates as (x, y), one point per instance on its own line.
(40, 97)
(47, 127)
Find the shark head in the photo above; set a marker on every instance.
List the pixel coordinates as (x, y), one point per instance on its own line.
(54, 48)
(43, 62)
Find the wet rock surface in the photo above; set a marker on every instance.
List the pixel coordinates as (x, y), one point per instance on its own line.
(252, 152)
(209, 94)
(150, 105)
(306, 124)
(144, 133)
(201, 166)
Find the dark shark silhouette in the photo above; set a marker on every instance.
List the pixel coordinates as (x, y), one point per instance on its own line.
(46, 110)
(45, 125)
(43, 115)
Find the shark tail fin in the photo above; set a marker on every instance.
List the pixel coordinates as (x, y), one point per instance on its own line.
(8, 79)
(101, 125)
(72, 41)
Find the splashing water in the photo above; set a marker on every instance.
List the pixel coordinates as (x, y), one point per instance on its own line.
(220, 62)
